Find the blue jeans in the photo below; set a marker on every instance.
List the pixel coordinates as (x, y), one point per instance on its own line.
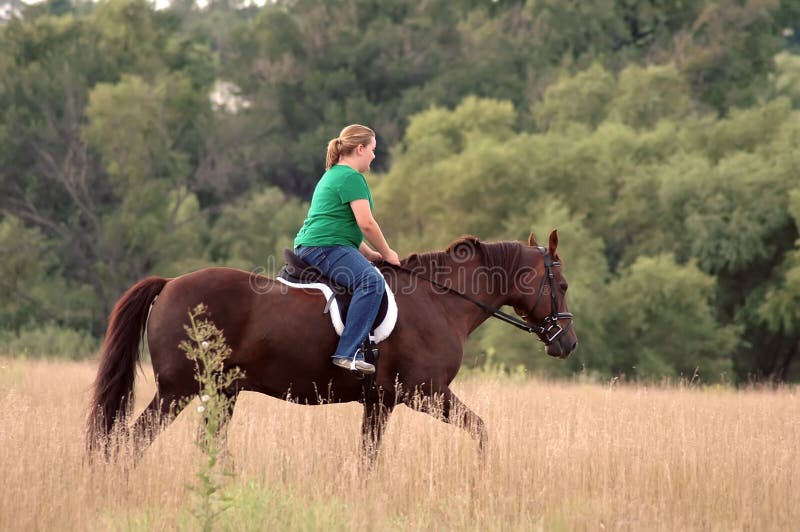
(348, 267)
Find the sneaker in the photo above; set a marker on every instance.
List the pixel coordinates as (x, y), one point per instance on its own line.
(357, 363)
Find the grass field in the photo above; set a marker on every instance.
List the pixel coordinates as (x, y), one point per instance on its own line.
(562, 456)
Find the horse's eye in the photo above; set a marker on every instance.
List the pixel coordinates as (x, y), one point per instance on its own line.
(564, 286)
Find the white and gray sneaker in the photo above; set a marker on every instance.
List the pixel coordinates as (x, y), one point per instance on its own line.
(357, 363)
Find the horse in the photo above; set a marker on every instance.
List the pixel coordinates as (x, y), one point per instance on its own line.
(282, 341)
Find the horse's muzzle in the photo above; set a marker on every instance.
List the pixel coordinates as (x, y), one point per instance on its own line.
(562, 347)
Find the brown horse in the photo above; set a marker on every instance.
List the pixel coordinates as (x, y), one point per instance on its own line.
(282, 341)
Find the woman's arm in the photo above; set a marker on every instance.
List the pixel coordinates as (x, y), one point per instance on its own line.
(372, 231)
(367, 251)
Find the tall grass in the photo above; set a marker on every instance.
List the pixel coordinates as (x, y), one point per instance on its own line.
(562, 456)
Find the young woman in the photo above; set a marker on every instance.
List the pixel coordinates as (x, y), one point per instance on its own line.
(335, 233)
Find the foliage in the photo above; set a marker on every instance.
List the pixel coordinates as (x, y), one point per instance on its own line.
(254, 507)
(254, 231)
(660, 321)
(137, 141)
(581, 98)
(673, 187)
(257, 507)
(780, 309)
(207, 348)
(49, 340)
(460, 146)
(786, 79)
(28, 258)
(645, 96)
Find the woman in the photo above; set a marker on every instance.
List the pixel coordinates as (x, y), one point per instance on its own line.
(335, 233)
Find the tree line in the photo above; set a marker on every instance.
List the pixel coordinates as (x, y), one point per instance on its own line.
(661, 138)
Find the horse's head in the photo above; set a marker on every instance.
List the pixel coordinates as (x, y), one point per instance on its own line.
(542, 297)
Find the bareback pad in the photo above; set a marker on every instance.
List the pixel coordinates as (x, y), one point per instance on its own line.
(297, 273)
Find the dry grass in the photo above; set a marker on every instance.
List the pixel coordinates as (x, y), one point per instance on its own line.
(562, 457)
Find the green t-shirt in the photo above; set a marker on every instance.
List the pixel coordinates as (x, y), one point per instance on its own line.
(330, 220)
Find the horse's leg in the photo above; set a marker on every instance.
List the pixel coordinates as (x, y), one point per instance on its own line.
(447, 407)
(161, 411)
(376, 415)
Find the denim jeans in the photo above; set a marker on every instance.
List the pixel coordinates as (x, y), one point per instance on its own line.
(348, 267)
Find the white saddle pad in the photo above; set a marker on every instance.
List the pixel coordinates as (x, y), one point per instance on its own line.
(382, 331)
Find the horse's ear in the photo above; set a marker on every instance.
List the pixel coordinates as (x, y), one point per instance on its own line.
(553, 242)
(532, 241)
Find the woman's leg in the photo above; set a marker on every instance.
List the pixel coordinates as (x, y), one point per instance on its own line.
(348, 267)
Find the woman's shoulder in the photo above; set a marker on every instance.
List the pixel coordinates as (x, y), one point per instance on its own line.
(341, 170)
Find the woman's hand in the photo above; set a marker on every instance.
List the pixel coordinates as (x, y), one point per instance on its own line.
(369, 254)
(373, 256)
(391, 257)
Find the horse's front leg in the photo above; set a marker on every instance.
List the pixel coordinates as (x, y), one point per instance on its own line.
(445, 406)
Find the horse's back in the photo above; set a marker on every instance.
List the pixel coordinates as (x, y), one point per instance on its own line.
(278, 335)
(224, 291)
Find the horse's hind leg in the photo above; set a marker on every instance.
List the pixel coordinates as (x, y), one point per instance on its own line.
(161, 411)
(447, 407)
(376, 415)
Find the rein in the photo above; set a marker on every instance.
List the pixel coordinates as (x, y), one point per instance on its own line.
(548, 329)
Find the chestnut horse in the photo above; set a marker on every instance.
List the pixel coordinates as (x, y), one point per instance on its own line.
(282, 341)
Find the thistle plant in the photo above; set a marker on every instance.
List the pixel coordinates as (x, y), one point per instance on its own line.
(207, 348)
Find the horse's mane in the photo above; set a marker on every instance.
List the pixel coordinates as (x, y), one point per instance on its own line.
(504, 254)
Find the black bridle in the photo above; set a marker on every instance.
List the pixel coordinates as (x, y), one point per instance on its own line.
(547, 329)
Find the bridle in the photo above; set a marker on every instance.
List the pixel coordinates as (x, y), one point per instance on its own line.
(547, 329)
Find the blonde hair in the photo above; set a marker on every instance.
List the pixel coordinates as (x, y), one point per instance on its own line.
(350, 138)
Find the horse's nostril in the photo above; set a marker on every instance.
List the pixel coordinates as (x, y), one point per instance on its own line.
(573, 346)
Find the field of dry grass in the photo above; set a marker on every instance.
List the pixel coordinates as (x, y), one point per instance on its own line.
(562, 456)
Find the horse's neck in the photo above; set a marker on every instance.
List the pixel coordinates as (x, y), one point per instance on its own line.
(487, 277)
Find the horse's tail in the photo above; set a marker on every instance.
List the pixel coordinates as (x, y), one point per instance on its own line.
(112, 393)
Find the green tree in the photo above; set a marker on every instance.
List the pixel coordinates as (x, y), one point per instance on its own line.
(779, 309)
(660, 321)
(254, 231)
(726, 52)
(742, 130)
(786, 79)
(738, 225)
(130, 36)
(646, 95)
(47, 174)
(582, 98)
(30, 274)
(312, 67)
(93, 201)
(559, 37)
(28, 259)
(455, 158)
(155, 219)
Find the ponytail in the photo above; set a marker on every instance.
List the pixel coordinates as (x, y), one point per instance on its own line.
(334, 152)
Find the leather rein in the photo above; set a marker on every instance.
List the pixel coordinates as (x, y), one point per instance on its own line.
(547, 329)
